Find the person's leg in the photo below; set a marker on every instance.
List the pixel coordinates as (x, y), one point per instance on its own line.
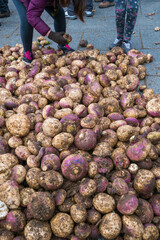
(120, 12)
(59, 21)
(4, 10)
(59, 18)
(89, 8)
(132, 11)
(89, 5)
(26, 30)
(70, 12)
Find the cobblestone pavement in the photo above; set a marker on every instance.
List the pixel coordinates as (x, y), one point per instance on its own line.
(100, 30)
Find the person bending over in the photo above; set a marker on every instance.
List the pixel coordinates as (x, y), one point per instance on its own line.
(30, 12)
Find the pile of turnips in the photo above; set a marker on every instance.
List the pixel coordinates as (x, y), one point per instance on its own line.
(79, 146)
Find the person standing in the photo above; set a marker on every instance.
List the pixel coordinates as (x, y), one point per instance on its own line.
(126, 14)
(69, 13)
(30, 12)
(4, 9)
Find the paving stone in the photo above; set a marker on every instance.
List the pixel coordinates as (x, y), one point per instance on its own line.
(153, 82)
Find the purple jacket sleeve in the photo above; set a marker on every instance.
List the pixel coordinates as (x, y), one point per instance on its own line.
(34, 11)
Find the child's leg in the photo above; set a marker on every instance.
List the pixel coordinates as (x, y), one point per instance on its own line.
(26, 29)
(132, 11)
(89, 5)
(120, 10)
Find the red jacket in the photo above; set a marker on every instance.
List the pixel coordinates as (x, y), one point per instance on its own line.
(35, 9)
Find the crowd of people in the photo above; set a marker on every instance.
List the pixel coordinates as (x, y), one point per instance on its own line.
(30, 18)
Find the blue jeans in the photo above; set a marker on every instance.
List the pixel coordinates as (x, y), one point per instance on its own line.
(26, 29)
(89, 7)
(4, 6)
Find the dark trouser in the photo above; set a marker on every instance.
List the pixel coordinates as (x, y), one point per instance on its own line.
(126, 15)
(89, 7)
(26, 29)
(4, 6)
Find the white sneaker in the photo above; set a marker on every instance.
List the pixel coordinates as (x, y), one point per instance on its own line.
(117, 42)
(73, 17)
(126, 46)
(89, 13)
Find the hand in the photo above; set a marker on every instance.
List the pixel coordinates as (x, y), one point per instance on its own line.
(57, 37)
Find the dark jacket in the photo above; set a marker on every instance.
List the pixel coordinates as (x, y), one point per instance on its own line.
(35, 9)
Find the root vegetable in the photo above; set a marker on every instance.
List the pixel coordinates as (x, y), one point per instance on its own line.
(132, 226)
(14, 221)
(78, 213)
(41, 206)
(92, 169)
(18, 173)
(119, 186)
(144, 182)
(62, 140)
(18, 125)
(124, 133)
(51, 127)
(50, 180)
(25, 195)
(32, 178)
(153, 107)
(127, 204)
(59, 196)
(110, 226)
(85, 139)
(150, 232)
(83, 43)
(9, 194)
(74, 167)
(7, 161)
(102, 149)
(101, 183)
(144, 211)
(62, 225)
(105, 165)
(139, 149)
(93, 216)
(82, 230)
(87, 187)
(155, 202)
(103, 203)
(50, 162)
(109, 105)
(70, 124)
(37, 229)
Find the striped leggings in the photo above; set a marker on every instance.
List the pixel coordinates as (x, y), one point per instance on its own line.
(126, 15)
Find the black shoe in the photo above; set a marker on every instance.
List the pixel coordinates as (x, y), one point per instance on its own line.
(6, 14)
(66, 49)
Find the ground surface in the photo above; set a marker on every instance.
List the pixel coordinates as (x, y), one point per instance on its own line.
(100, 30)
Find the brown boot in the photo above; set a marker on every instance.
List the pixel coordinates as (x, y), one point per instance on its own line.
(106, 4)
